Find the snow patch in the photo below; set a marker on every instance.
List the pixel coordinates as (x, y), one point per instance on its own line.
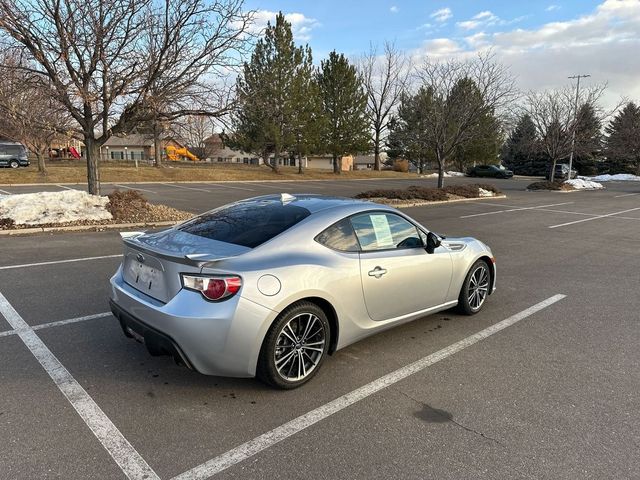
(582, 184)
(54, 207)
(485, 193)
(446, 174)
(619, 177)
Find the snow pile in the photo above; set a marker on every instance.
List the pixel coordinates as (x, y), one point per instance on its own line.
(53, 207)
(582, 184)
(485, 193)
(446, 174)
(619, 177)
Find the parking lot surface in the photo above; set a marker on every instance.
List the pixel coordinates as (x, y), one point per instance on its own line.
(543, 383)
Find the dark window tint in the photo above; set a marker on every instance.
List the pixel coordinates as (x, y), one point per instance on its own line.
(340, 236)
(247, 224)
(11, 149)
(384, 231)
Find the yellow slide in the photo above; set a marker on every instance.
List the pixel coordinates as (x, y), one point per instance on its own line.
(176, 154)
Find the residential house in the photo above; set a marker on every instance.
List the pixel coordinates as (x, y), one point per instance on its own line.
(216, 151)
(135, 146)
(325, 162)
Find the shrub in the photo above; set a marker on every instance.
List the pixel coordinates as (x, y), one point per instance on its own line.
(416, 192)
(401, 166)
(546, 185)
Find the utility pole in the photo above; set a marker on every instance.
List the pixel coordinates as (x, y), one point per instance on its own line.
(575, 121)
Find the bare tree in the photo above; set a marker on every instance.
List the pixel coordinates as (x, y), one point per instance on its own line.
(29, 114)
(463, 95)
(194, 130)
(554, 115)
(113, 63)
(385, 79)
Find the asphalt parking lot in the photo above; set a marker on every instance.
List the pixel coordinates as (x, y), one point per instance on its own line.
(550, 393)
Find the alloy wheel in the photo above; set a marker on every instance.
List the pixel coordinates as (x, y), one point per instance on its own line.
(299, 347)
(478, 287)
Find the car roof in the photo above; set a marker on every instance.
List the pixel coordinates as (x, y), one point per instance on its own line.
(312, 202)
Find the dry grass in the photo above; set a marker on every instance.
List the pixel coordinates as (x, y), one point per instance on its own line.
(76, 172)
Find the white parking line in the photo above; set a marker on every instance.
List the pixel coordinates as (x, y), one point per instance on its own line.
(132, 188)
(186, 188)
(515, 210)
(66, 188)
(594, 218)
(266, 440)
(626, 195)
(224, 185)
(122, 452)
(59, 323)
(54, 262)
(5, 192)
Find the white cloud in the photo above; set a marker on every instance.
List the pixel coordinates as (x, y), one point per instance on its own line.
(394, 9)
(486, 19)
(551, 8)
(442, 15)
(604, 43)
(301, 26)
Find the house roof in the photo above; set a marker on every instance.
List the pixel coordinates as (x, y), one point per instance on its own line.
(135, 140)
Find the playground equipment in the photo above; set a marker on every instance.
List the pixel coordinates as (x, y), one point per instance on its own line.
(176, 154)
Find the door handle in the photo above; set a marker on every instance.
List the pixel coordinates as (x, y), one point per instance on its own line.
(377, 272)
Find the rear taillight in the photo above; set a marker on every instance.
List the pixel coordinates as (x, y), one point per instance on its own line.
(218, 287)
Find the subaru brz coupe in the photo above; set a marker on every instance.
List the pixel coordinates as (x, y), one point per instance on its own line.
(272, 285)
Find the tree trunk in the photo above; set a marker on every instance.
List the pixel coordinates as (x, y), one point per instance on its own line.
(157, 146)
(92, 151)
(376, 152)
(276, 157)
(42, 167)
(552, 176)
(440, 170)
(299, 162)
(336, 167)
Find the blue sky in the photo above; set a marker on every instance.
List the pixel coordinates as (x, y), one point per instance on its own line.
(542, 41)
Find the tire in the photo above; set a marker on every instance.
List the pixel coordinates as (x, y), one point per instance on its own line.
(478, 280)
(288, 359)
(14, 164)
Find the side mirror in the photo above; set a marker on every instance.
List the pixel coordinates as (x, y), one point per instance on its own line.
(433, 242)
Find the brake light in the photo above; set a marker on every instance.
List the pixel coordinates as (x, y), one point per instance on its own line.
(213, 287)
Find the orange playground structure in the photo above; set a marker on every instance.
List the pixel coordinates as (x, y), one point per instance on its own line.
(176, 154)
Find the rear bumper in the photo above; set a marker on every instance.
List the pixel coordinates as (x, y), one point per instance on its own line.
(211, 338)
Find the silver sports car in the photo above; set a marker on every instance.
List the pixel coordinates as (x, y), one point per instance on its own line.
(270, 286)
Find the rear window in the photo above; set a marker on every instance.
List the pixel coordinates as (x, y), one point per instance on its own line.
(11, 149)
(246, 224)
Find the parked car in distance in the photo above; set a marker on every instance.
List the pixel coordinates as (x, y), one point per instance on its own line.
(13, 155)
(495, 171)
(562, 172)
(272, 285)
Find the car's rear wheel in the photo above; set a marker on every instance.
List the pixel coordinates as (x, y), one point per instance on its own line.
(14, 164)
(475, 288)
(295, 346)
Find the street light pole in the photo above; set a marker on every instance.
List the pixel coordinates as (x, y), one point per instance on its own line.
(575, 121)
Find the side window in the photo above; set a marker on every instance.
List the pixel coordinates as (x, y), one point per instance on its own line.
(339, 236)
(385, 231)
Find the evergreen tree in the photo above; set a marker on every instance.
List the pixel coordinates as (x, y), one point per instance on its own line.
(344, 104)
(407, 138)
(588, 143)
(522, 150)
(623, 139)
(265, 118)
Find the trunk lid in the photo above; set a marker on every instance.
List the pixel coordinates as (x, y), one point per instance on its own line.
(153, 262)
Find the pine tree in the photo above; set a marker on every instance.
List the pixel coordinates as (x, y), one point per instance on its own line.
(344, 104)
(263, 122)
(522, 151)
(623, 139)
(588, 144)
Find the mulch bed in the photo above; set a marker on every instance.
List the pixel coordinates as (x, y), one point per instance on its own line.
(428, 194)
(546, 185)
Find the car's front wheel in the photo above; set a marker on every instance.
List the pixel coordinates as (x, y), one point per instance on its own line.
(295, 346)
(475, 288)
(14, 164)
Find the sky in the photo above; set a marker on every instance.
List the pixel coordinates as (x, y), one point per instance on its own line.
(543, 42)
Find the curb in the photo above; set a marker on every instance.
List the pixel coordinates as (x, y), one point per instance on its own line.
(203, 182)
(440, 202)
(84, 228)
